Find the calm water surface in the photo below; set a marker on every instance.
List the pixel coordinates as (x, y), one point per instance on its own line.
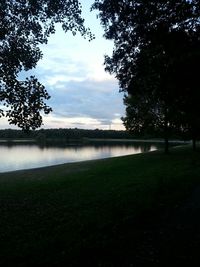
(24, 156)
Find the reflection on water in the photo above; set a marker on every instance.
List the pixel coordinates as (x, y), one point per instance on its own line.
(15, 157)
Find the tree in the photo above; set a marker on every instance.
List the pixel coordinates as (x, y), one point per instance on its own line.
(186, 80)
(146, 55)
(163, 86)
(24, 25)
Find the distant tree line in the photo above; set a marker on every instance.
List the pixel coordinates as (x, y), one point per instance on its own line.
(75, 133)
(65, 134)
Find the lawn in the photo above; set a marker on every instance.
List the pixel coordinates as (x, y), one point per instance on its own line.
(112, 212)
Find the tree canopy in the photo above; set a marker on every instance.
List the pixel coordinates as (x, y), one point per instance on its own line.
(154, 44)
(24, 25)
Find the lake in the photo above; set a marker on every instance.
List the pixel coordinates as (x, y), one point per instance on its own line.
(27, 156)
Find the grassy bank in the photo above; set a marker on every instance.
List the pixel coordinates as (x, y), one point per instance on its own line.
(95, 213)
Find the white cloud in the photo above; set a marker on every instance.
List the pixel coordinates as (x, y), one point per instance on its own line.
(81, 122)
(116, 124)
(78, 122)
(58, 80)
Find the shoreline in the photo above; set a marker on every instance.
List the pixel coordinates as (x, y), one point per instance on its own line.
(136, 140)
(31, 168)
(82, 162)
(86, 139)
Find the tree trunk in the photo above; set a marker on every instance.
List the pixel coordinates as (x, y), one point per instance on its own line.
(194, 146)
(166, 145)
(166, 134)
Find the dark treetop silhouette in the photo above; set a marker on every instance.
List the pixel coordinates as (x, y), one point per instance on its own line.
(23, 26)
(155, 59)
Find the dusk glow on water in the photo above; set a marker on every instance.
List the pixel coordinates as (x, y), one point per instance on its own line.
(16, 157)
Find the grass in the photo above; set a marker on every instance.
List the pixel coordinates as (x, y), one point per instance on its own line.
(95, 213)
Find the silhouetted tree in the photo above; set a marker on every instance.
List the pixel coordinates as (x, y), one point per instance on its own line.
(24, 25)
(186, 80)
(146, 56)
(164, 90)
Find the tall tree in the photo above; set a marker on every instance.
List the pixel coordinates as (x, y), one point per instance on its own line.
(145, 56)
(24, 25)
(186, 80)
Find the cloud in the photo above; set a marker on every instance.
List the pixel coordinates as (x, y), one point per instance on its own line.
(75, 122)
(80, 93)
(90, 98)
(52, 121)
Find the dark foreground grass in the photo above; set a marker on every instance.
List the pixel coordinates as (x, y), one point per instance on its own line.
(114, 212)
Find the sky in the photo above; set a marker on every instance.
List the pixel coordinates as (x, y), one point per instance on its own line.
(83, 95)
